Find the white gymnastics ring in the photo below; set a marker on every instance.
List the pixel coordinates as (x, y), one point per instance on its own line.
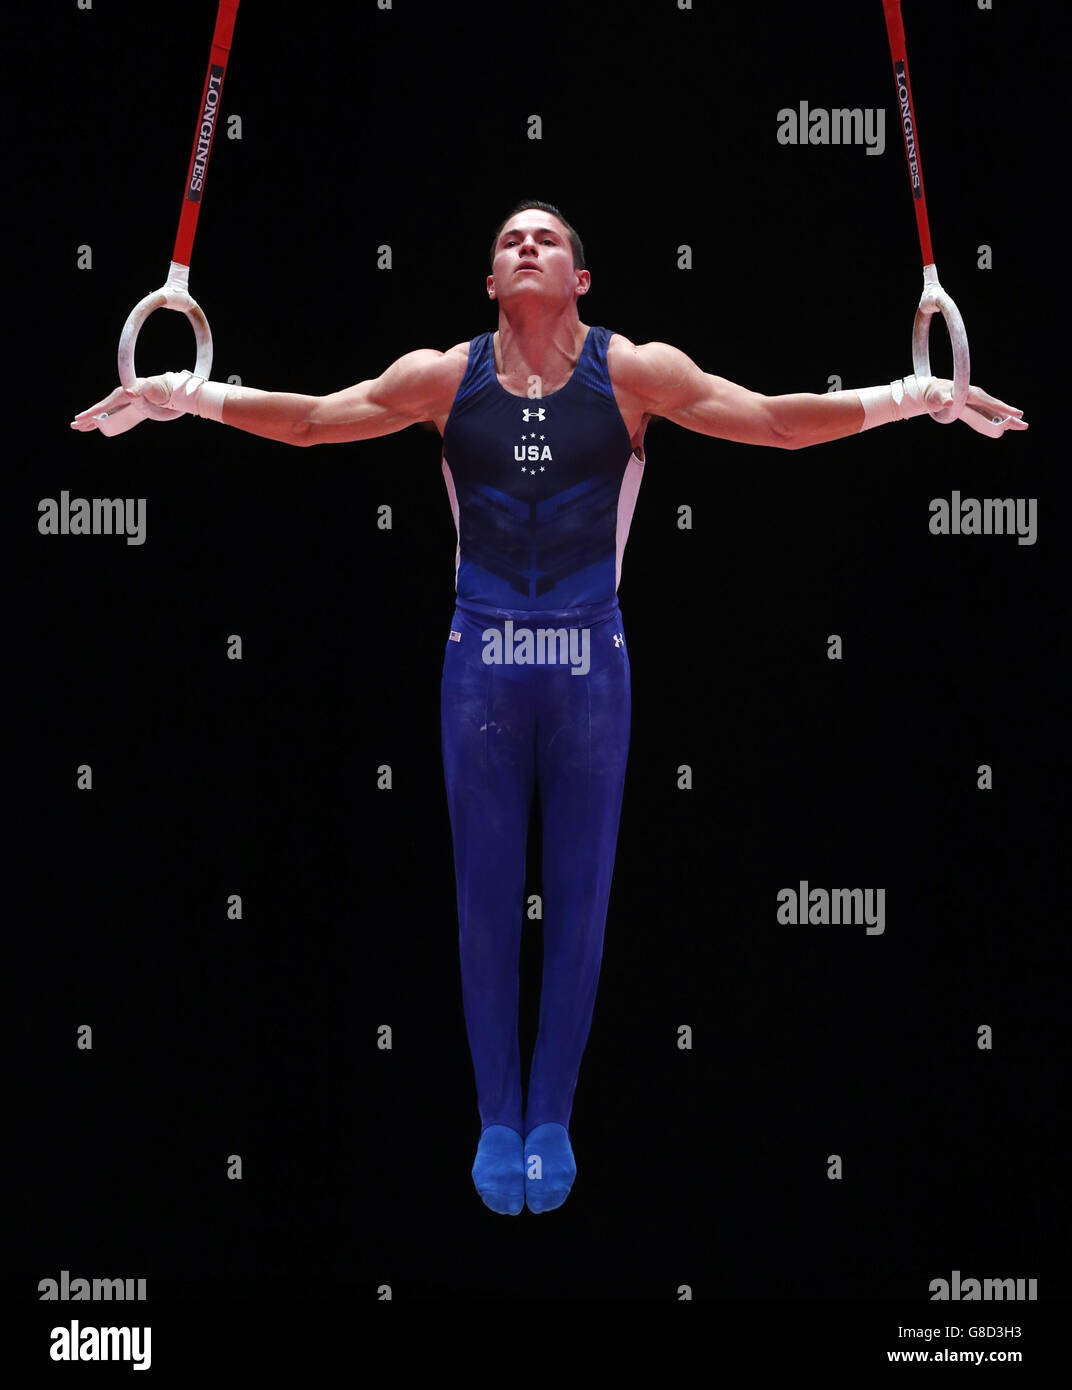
(936, 301)
(173, 294)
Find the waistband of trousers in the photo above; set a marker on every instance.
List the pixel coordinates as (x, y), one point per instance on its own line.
(586, 615)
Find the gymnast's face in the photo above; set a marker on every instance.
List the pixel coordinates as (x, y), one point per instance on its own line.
(533, 257)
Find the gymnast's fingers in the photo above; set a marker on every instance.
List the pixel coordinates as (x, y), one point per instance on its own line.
(978, 397)
(986, 420)
(87, 419)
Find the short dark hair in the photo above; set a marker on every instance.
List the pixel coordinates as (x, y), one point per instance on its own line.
(575, 241)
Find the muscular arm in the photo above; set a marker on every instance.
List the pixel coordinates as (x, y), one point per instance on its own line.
(670, 384)
(412, 389)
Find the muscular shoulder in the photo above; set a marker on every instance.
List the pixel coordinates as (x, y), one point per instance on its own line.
(450, 370)
(447, 367)
(452, 365)
(458, 353)
(649, 372)
(424, 380)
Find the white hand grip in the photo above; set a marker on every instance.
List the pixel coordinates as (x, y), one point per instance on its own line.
(935, 300)
(171, 295)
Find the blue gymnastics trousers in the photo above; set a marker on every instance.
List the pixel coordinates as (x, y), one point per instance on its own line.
(533, 699)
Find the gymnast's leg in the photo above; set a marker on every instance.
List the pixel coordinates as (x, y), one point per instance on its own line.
(582, 744)
(488, 763)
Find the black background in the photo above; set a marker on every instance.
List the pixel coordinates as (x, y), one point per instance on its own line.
(707, 1168)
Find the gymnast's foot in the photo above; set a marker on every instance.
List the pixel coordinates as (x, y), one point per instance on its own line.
(548, 1182)
(499, 1170)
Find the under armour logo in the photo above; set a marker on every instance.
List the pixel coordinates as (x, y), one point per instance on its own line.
(619, 639)
(527, 414)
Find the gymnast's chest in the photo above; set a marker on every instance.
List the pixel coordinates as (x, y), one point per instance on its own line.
(526, 447)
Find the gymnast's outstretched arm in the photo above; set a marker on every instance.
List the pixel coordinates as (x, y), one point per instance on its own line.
(670, 384)
(418, 386)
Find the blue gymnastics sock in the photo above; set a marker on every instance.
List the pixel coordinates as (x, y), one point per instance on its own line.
(499, 1170)
(551, 1144)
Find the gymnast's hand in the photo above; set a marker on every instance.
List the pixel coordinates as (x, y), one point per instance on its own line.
(982, 411)
(127, 407)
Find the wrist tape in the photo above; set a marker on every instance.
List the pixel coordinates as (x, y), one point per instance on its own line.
(900, 400)
(193, 395)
